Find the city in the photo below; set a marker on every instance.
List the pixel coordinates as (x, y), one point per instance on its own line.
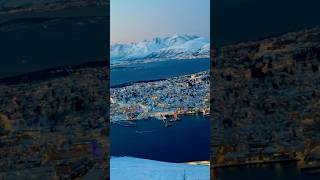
(188, 94)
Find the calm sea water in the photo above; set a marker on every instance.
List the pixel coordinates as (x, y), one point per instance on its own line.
(37, 42)
(186, 140)
(157, 70)
(277, 171)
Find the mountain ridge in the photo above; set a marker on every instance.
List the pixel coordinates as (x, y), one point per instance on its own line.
(174, 47)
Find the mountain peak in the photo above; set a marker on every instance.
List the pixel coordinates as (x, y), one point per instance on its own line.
(176, 46)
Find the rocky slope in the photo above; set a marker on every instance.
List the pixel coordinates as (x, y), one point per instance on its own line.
(265, 99)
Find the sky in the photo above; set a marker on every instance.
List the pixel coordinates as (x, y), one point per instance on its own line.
(137, 20)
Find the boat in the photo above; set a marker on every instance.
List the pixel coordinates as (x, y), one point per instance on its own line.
(142, 132)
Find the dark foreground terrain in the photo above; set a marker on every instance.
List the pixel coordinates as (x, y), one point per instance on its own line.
(54, 124)
(265, 99)
(9, 7)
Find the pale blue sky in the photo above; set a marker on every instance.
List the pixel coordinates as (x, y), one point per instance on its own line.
(136, 20)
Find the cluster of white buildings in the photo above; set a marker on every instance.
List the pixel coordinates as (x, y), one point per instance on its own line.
(188, 94)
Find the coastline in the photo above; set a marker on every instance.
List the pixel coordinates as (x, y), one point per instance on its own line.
(50, 6)
(154, 104)
(143, 61)
(85, 11)
(50, 73)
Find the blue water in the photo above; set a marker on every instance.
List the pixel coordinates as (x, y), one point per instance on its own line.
(277, 171)
(32, 44)
(186, 140)
(156, 70)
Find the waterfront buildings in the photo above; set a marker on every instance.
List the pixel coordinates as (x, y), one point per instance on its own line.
(188, 94)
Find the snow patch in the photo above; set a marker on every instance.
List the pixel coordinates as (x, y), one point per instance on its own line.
(141, 169)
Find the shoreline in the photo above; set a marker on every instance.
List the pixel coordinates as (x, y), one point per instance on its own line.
(153, 101)
(85, 11)
(133, 123)
(44, 19)
(144, 61)
(132, 83)
(49, 73)
(49, 6)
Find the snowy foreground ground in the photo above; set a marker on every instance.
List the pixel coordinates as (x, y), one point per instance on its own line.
(123, 168)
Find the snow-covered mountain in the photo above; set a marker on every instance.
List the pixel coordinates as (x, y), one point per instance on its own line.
(143, 169)
(175, 47)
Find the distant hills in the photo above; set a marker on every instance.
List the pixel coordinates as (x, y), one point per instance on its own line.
(174, 47)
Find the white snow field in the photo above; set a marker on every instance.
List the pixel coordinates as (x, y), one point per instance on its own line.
(129, 168)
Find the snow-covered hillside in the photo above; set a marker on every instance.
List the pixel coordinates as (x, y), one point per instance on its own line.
(141, 169)
(175, 47)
